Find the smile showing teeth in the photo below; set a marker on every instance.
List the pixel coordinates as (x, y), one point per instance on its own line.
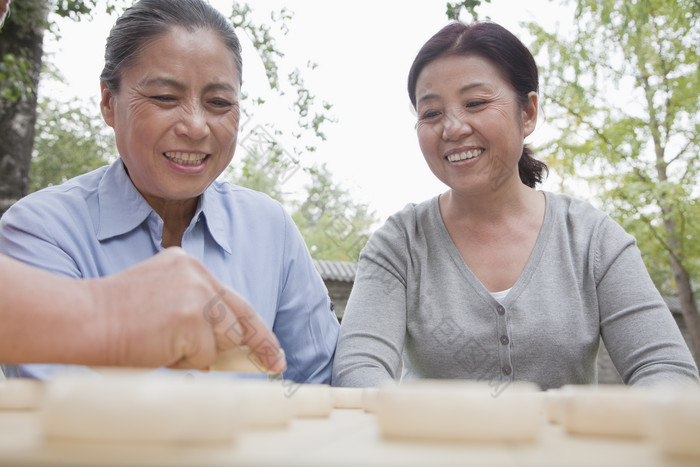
(460, 156)
(186, 158)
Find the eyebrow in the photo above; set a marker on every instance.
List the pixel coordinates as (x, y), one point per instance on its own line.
(171, 83)
(462, 90)
(167, 82)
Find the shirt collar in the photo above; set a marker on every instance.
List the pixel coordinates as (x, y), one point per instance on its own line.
(123, 208)
(213, 209)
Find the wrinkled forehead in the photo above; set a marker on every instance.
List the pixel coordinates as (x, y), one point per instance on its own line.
(169, 37)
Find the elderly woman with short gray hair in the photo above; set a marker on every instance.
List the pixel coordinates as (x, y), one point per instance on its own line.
(171, 90)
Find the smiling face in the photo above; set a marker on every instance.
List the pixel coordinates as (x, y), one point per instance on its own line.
(471, 125)
(175, 116)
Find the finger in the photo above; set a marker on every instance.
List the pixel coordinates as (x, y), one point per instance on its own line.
(255, 334)
(238, 360)
(197, 360)
(228, 331)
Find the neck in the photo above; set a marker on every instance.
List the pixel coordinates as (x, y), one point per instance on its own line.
(490, 207)
(176, 215)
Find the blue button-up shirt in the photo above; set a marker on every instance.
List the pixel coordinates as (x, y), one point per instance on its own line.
(99, 224)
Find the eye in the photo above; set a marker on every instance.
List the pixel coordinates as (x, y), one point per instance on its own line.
(220, 103)
(430, 114)
(163, 98)
(475, 104)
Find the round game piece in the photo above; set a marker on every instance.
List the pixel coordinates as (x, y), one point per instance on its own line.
(140, 409)
(674, 421)
(311, 400)
(554, 399)
(263, 404)
(461, 411)
(20, 394)
(614, 410)
(369, 399)
(347, 398)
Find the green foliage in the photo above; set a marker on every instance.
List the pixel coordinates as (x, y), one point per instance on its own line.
(14, 74)
(16, 65)
(30, 15)
(260, 170)
(81, 9)
(74, 9)
(332, 224)
(26, 15)
(304, 103)
(262, 37)
(454, 9)
(70, 140)
(621, 90)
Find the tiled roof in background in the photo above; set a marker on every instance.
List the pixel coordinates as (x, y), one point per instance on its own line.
(342, 271)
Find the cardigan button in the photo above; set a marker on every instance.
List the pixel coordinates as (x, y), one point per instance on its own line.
(501, 311)
(507, 370)
(504, 340)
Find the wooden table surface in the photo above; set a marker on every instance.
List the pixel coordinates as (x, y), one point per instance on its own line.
(347, 437)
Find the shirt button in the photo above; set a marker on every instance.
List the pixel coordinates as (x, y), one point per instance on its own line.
(504, 340)
(507, 370)
(501, 311)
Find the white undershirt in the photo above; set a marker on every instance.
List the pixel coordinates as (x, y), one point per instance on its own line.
(500, 296)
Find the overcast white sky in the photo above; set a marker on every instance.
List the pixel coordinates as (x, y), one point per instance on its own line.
(363, 50)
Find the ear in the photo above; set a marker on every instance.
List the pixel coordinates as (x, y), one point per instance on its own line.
(107, 104)
(530, 114)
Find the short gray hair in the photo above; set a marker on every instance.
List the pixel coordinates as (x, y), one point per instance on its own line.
(147, 20)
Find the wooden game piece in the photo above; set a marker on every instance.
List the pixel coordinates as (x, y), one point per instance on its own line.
(610, 410)
(369, 399)
(239, 360)
(347, 398)
(140, 409)
(20, 394)
(674, 421)
(460, 411)
(554, 399)
(311, 400)
(263, 404)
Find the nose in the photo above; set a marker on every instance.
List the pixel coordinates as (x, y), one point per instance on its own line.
(455, 125)
(193, 122)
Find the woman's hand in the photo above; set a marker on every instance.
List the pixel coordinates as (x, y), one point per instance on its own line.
(170, 311)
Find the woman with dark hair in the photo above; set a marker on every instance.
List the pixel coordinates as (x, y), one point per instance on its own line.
(171, 90)
(494, 280)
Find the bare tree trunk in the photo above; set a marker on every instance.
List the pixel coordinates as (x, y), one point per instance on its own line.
(689, 307)
(21, 38)
(673, 239)
(684, 286)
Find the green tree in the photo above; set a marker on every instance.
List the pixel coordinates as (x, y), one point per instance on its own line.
(621, 90)
(454, 9)
(333, 225)
(21, 49)
(21, 41)
(259, 170)
(70, 140)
